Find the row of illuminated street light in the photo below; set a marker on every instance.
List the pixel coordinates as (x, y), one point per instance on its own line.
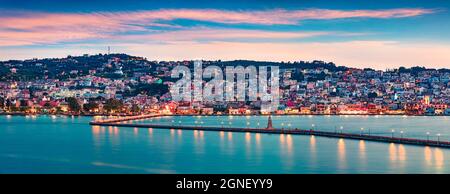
(428, 135)
(313, 127)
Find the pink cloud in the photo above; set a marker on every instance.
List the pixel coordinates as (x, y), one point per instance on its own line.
(207, 34)
(340, 14)
(42, 28)
(9, 38)
(267, 17)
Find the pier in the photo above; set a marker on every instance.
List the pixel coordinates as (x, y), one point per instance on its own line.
(121, 119)
(271, 130)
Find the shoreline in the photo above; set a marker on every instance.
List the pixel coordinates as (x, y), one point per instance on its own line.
(127, 115)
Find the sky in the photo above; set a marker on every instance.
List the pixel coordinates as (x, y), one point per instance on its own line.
(378, 34)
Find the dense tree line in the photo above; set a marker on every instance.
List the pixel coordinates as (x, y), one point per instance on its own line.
(60, 68)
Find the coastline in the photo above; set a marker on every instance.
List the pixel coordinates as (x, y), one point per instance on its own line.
(125, 115)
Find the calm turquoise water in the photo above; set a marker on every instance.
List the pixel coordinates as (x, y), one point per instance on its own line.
(46, 144)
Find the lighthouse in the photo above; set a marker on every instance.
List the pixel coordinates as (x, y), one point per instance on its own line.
(269, 123)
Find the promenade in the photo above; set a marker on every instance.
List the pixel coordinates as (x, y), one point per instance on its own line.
(270, 130)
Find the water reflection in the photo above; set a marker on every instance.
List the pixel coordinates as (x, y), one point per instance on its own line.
(434, 158)
(195, 135)
(113, 137)
(222, 136)
(401, 153)
(282, 145)
(392, 152)
(202, 135)
(362, 149)
(150, 131)
(282, 139)
(96, 134)
(258, 146)
(179, 136)
(116, 131)
(248, 138)
(222, 141)
(341, 154)
(289, 144)
(198, 142)
(258, 140)
(312, 144)
(439, 158)
(230, 143)
(96, 130)
(105, 136)
(312, 151)
(248, 148)
(286, 150)
(397, 156)
(428, 154)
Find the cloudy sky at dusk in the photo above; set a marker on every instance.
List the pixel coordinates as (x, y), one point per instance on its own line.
(355, 33)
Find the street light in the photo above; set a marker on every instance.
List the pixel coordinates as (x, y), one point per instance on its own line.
(342, 129)
(438, 135)
(392, 131)
(362, 129)
(312, 126)
(428, 136)
(401, 134)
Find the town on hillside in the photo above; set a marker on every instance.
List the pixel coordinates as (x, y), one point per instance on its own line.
(120, 84)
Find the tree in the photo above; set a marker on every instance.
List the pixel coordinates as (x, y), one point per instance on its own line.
(372, 95)
(135, 108)
(74, 106)
(152, 89)
(47, 105)
(58, 110)
(113, 105)
(8, 104)
(89, 107)
(298, 75)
